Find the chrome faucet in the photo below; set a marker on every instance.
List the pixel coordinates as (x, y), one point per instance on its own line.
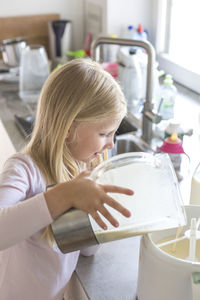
(149, 116)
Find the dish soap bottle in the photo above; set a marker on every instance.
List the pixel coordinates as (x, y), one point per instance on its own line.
(195, 187)
(167, 98)
(129, 33)
(141, 33)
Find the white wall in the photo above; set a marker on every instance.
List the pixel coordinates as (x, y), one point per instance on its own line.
(68, 9)
(129, 12)
(119, 13)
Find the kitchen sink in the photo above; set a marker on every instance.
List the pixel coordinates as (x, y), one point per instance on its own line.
(130, 143)
(128, 138)
(126, 126)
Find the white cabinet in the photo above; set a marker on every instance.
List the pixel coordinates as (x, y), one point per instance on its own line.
(75, 290)
(7, 148)
(113, 16)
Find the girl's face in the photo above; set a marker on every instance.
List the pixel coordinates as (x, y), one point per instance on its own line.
(86, 140)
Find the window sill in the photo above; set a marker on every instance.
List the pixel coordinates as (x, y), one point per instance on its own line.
(181, 75)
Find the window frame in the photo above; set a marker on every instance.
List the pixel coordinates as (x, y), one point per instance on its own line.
(180, 74)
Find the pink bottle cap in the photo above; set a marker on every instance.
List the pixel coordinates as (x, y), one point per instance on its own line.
(172, 144)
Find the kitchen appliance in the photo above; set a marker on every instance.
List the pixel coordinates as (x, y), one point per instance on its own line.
(12, 50)
(167, 267)
(60, 38)
(155, 205)
(34, 70)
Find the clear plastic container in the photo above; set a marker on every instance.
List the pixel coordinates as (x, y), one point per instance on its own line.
(156, 203)
(130, 77)
(34, 70)
(110, 51)
(130, 33)
(143, 60)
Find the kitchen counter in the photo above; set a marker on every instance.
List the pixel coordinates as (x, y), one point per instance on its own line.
(112, 273)
(10, 104)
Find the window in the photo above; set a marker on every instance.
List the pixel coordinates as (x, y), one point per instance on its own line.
(178, 40)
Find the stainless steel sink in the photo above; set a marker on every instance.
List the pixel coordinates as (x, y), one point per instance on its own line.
(126, 126)
(130, 143)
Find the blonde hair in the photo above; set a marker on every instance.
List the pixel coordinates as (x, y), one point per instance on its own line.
(79, 91)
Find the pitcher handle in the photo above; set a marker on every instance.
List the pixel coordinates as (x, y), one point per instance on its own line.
(195, 281)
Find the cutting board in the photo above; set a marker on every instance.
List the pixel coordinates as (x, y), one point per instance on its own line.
(34, 28)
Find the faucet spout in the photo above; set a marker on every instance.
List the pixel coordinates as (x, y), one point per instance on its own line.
(148, 116)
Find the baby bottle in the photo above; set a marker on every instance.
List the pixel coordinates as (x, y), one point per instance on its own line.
(180, 160)
(195, 187)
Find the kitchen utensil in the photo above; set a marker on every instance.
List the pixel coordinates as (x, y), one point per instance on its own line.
(169, 270)
(156, 203)
(34, 70)
(25, 124)
(60, 38)
(11, 51)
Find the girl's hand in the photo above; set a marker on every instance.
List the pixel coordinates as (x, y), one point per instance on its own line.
(87, 195)
(91, 197)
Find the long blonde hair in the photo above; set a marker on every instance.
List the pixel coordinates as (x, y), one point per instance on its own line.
(80, 91)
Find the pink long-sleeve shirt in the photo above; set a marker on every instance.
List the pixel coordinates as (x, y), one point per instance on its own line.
(29, 268)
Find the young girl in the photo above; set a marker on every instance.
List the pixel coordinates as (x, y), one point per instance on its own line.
(79, 110)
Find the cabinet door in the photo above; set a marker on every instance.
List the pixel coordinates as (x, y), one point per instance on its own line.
(75, 290)
(6, 148)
